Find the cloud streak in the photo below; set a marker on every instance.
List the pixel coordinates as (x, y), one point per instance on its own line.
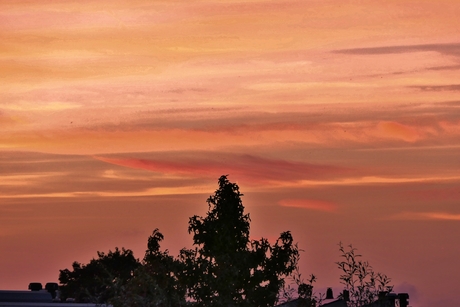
(200, 129)
(309, 204)
(251, 168)
(450, 49)
(438, 88)
(435, 216)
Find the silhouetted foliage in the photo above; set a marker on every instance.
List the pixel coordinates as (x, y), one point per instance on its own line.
(226, 268)
(100, 279)
(359, 278)
(301, 290)
(155, 283)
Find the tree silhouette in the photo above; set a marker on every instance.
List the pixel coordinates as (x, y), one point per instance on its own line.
(99, 280)
(156, 282)
(226, 268)
(362, 284)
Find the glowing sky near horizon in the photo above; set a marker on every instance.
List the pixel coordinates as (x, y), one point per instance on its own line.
(340, 121)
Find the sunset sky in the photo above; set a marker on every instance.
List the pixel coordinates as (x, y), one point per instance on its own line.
(339, 120)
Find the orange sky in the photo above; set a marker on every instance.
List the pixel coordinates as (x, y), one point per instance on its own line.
(340, 121)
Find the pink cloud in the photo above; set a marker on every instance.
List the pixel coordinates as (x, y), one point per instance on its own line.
(310, 204)
(245, 167)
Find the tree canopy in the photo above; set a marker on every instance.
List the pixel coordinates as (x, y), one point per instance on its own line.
(99, 280)
(155, 282)
(225, 267)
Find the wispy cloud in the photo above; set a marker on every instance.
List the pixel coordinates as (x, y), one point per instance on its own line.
(372, 180)
(160, 129)
(34, 175)
(452, 49)
(399, 131)
(443, 216)
(445, 67)
(309, 204)
(47, 107)
(246, 167)
(437, 88)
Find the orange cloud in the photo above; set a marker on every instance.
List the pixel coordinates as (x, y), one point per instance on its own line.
(451, 127)
(446, 216)
(182, 131)
(398, 131)
(83, 132)
(310, 204)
